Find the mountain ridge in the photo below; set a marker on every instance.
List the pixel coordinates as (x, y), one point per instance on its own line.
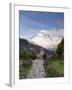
(26, 45)
(47, 39)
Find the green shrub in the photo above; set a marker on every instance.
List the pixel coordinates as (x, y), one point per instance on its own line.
(60, 49)
(25, 62)
(45, 56)
(25, 54)
(33, 55)
(24, 67)
(54, 68)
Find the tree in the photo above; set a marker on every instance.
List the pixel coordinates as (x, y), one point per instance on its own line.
(60, 48)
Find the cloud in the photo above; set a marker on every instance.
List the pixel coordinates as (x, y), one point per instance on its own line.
(48, 38)
(28, 34)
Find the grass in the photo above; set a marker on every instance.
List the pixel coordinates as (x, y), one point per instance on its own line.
(54, 67)
(24, 67)
(25, 62)
(25, 54)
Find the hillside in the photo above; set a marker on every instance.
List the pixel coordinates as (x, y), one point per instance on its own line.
(26, 45)
(54, 67)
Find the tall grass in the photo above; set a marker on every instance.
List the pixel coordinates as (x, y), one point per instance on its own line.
(54, 68)
(24, 67)
(25, 62)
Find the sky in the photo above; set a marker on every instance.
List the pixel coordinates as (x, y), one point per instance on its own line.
(32, 22)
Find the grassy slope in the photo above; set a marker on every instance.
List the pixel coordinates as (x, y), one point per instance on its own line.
(25, 62)
(54, 68)
(24, 67)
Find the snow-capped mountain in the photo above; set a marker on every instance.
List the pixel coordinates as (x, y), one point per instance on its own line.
(47, 38)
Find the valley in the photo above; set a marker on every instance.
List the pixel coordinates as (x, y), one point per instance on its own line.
(38, 62)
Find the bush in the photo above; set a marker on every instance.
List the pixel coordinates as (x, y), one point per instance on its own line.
(45, 56)
(25, 54)
(33, 55)
(25, 62)
(24, 67)
(60, 49)
(54, 68)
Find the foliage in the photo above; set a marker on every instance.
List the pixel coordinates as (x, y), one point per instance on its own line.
(54, 66)
(25, 54)
(25, 62)
(45, 56)
(60, 48)
(33, 55)
(24, 67)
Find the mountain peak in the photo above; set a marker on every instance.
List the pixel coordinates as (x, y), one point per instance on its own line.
(47, 39)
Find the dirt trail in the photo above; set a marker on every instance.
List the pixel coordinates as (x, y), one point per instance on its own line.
(37, 70)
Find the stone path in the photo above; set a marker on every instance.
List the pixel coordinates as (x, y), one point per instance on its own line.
(37, 70)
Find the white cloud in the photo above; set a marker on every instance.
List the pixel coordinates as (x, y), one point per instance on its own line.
(48, 38)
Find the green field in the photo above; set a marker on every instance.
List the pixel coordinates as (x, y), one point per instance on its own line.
(25, 62)
(24, 67)
(54, 67)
